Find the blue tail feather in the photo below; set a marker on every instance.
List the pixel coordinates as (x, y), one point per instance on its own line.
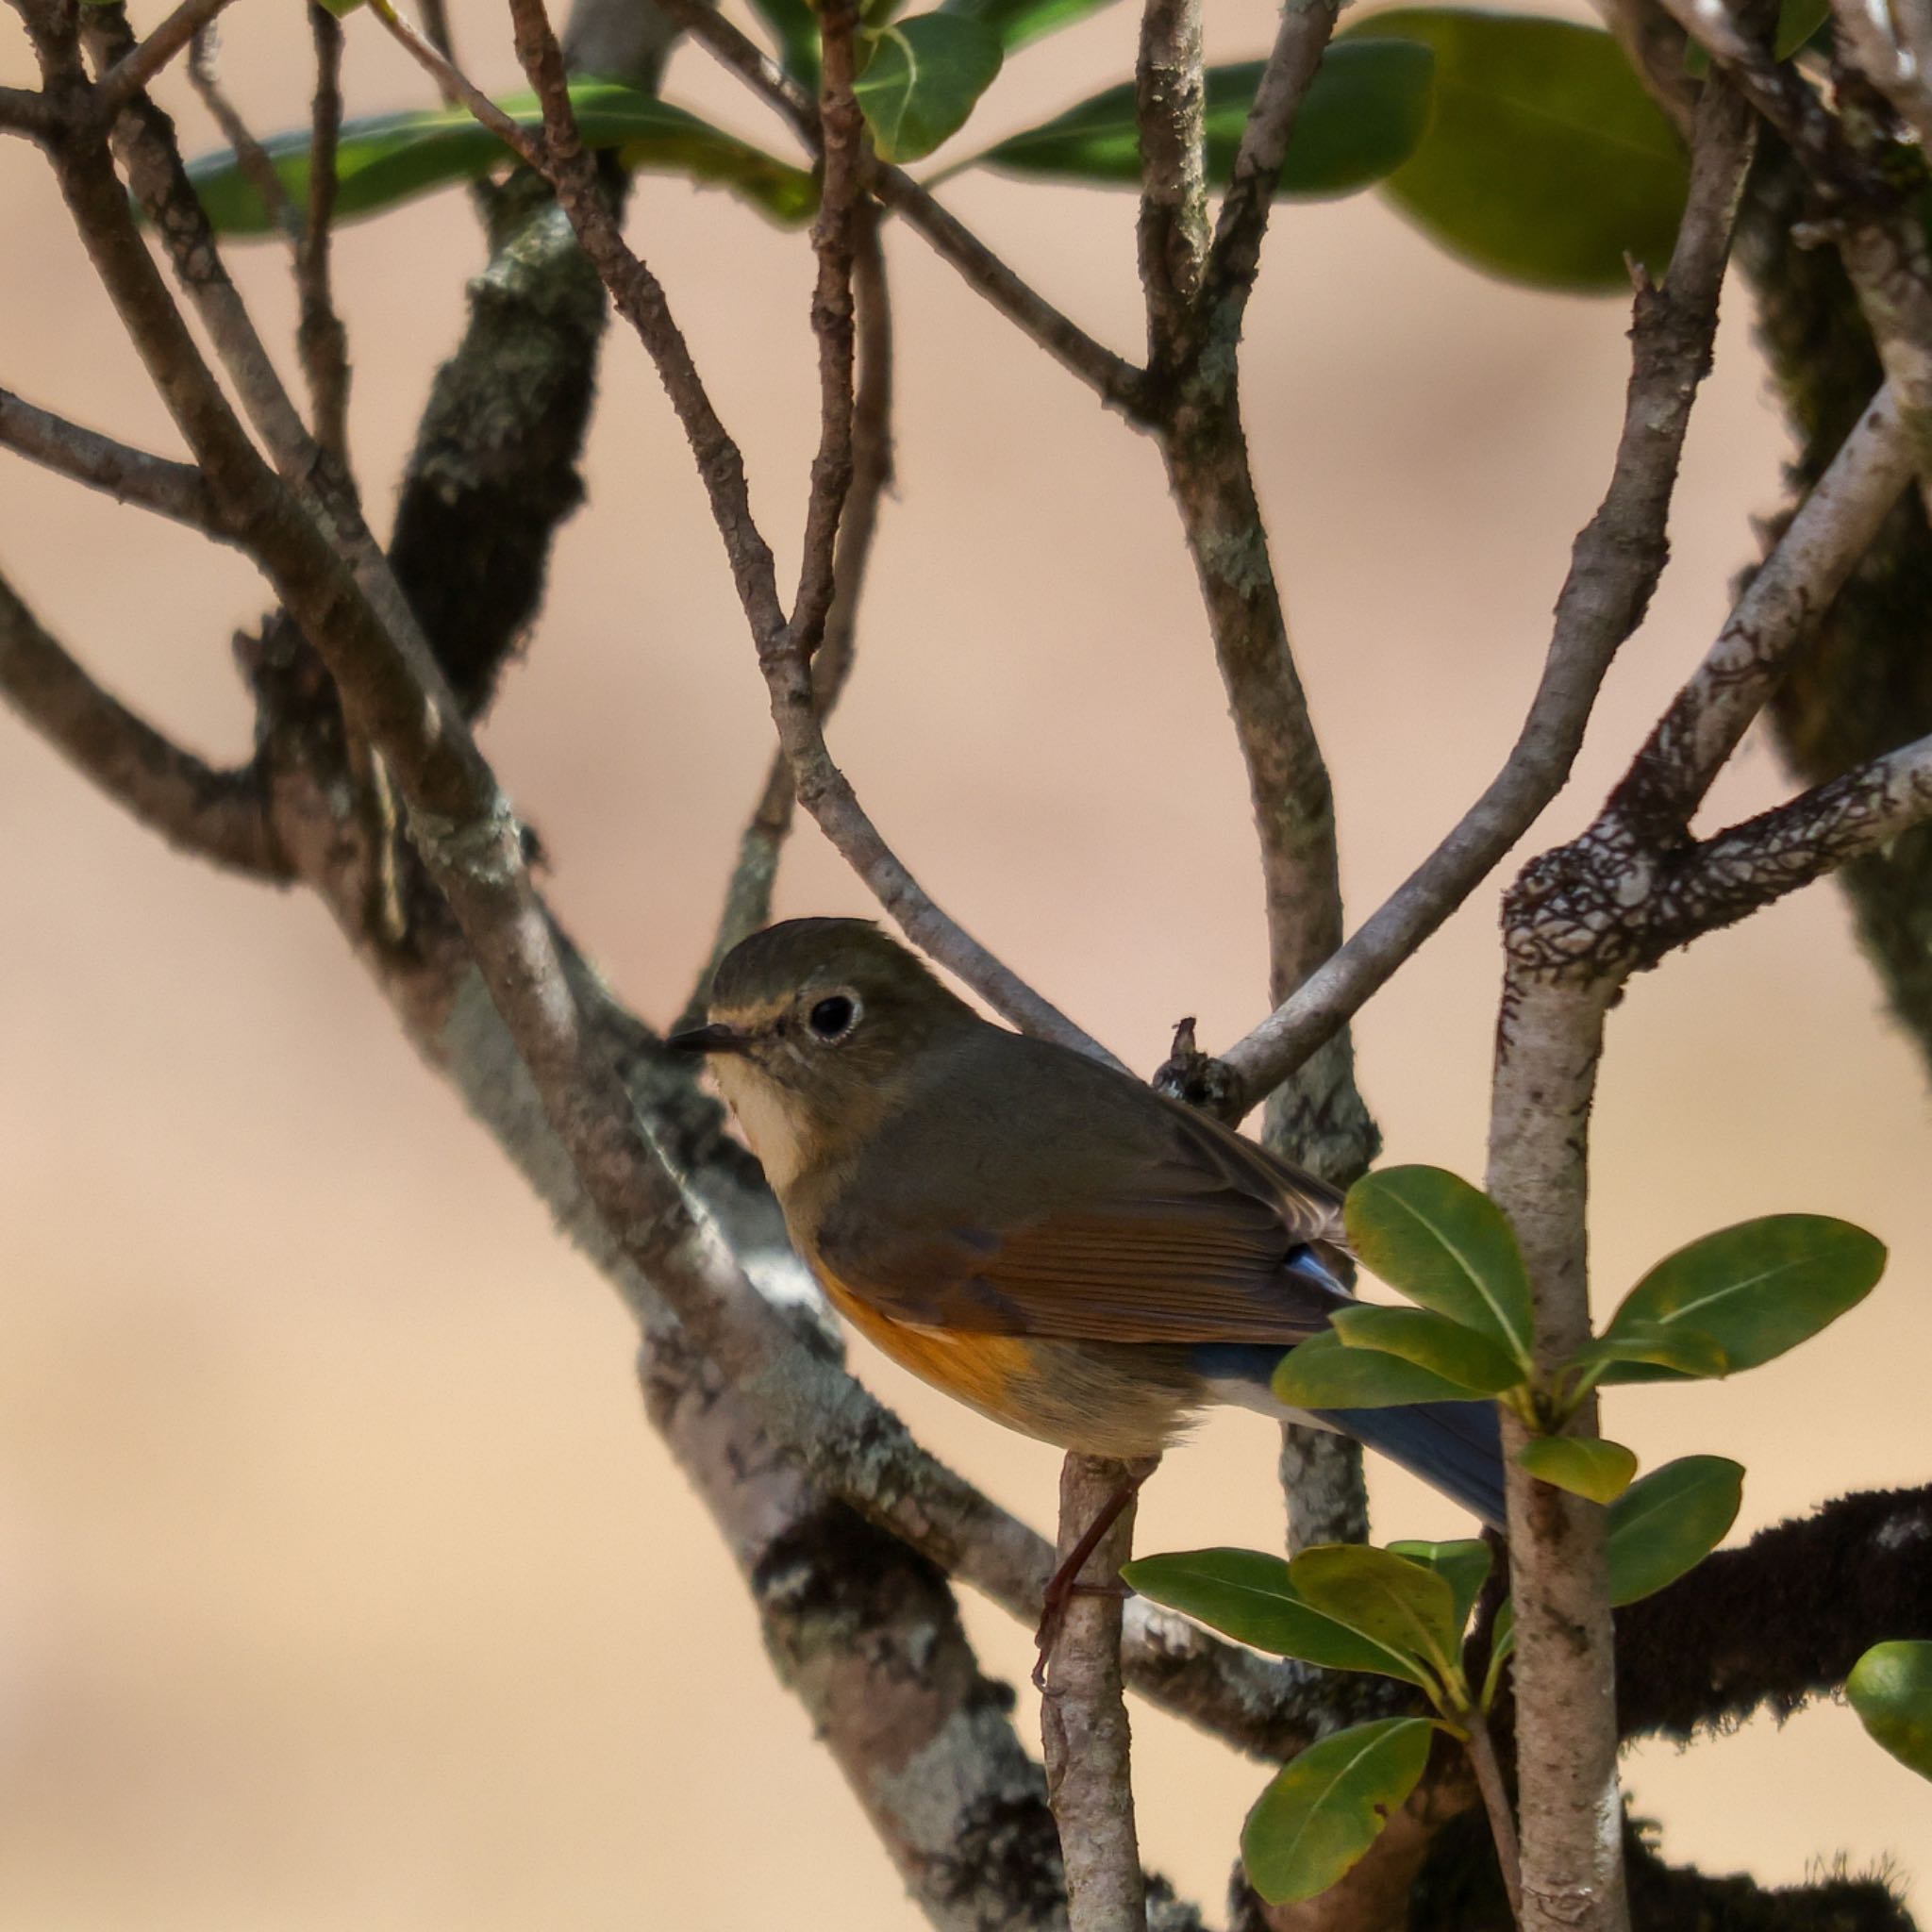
(1454, 1446)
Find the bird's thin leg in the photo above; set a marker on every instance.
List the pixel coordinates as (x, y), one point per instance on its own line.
(1065, 1582)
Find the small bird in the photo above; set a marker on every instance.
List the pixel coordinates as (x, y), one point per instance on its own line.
(1029, 1230)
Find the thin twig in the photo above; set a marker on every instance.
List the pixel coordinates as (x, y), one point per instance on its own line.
(319, 337)
(1481, 1749)
(1084, 1723)
(131, 73)
(1236, 253)
(458, 87)
(748, 892)
(177, 491)
(823, 789)
(1819, 550)
(1113, 378)
(218, 816)
(251, 155)
(1601, 603)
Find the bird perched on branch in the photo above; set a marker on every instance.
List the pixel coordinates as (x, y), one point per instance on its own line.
(1029, 1230)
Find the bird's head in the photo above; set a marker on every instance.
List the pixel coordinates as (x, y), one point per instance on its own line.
(815, 1029)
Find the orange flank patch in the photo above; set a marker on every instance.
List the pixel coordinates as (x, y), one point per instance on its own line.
(983, 1370)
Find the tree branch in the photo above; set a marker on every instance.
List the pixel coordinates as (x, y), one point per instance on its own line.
(748, 892)
(1817, 553)
(1083, 1722)
(1236, 255)
(1778, 1622)
(1548, 1042)
(220, 816)
(177, 491)
(1111, 378)
(1615, 565)
(319, 337)
(134, 68)
(823, 789)
(24, 112)
(1171, 99)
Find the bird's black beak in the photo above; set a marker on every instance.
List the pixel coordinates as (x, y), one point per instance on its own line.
(711, 1039)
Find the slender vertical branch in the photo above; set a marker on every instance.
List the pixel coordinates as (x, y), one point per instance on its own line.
(319, 337)
(1547, 1045)
(1483, 1760)
(748, 892)
(1171, 99)
(1083, 1720)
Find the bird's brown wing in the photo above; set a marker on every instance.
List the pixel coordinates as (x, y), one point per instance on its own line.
(1123, 1217)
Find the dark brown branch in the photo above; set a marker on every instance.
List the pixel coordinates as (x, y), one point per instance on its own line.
(1111, 378)
(171, 489)
(1779, 1621)
(24, 112)
(1616, 562)
(319, 337)
(133, 70)
(1236, 255)
(218, 816)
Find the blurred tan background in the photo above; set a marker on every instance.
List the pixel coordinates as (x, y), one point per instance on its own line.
(341, 1581)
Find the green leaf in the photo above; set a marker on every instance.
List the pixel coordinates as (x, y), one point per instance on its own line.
(1328, 1806)
(1322, 1372)
(1363, 115)
(1545, 162)
(1397, 1602)
(1432, 1341)
(1584, 1465)
(388, 158)
(1444, 1244)
(1016, 21)
(1248, 1594)
(1759, 1288)
(1651, 1351)
(1464, 1565)
(1890, 1689)
(922, 81)
(1665, 1525)
(794, 30)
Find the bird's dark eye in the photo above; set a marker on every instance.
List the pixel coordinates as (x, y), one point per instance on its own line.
(834, 1017)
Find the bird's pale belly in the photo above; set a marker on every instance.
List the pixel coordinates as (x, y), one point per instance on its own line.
(1120, 1399)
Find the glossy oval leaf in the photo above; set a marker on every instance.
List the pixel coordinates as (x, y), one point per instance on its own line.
(1586, 1466)
(1324, 1373)
(1652, 1352)
(1327, 1807)
(1397, 1602)
(1461, 1355)
(1890, 1689)
(1759, 1288)
(1363, 114)
(386, 159)
(1663, 1528)
(1545, 161)
(794, 30)
(1247, 1595)
(1447, 1245)
(922, 79)
(1016, 21)
(1463, 1565)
